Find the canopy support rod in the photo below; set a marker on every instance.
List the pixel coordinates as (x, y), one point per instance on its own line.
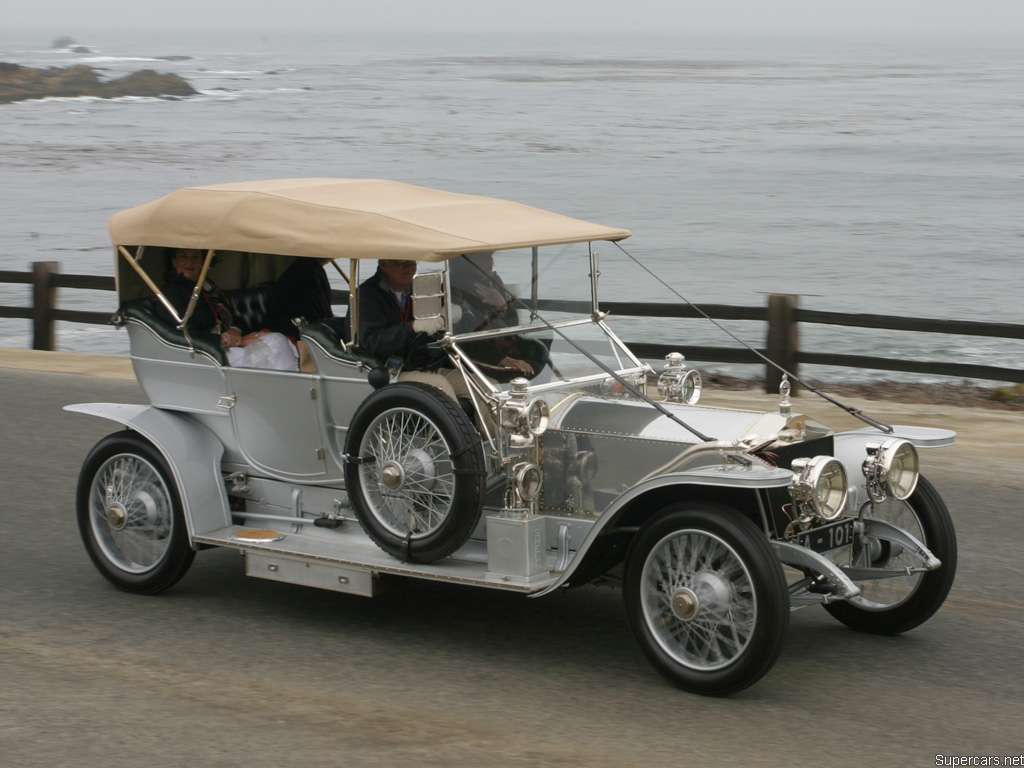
(353, 302)
(534, 280)
(197, 290)
(340, 271)
(149, 281)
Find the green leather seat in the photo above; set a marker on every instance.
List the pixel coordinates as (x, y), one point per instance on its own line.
(248, 305)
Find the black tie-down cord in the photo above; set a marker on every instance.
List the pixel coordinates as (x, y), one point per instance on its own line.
(856, 412)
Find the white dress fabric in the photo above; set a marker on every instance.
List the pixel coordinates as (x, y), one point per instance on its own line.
(273, 351)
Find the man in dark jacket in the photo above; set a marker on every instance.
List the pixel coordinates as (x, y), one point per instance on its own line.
(388, 331)
(386, 325)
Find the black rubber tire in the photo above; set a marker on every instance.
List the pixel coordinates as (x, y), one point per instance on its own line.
(134, 531)
(726, 584)
(931, 589)
(438, 466)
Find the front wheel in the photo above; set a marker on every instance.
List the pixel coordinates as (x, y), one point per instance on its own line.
(894, 605)
(130, 515)
(706, 598)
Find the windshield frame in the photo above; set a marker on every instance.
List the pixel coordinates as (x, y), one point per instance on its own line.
(627, 364)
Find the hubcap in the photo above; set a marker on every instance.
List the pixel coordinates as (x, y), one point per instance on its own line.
(117, 516)
(684, 604)
(391, 476)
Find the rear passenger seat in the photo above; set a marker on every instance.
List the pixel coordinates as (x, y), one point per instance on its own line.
(248, 305)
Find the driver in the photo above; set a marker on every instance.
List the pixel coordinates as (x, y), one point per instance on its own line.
(487, 304)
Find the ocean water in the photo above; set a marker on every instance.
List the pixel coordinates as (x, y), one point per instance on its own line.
(866, 177)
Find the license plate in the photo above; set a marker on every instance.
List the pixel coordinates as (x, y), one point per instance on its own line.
(828, 536)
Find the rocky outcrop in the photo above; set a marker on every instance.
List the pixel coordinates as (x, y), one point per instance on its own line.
(18, 83)
(70, 44)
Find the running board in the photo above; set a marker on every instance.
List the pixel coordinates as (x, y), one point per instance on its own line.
(353, 565)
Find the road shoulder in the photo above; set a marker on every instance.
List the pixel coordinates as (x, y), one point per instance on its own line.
(110, 366)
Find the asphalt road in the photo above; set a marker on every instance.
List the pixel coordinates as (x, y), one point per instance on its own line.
(228, 671)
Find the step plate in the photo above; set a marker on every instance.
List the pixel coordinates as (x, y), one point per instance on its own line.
(295, 570)
(358, 553)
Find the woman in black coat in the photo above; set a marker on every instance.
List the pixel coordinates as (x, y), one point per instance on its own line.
(213, 319)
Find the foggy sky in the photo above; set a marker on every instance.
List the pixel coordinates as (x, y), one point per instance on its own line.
(910, 18)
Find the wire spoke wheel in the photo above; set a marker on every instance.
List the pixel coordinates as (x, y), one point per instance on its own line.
(130, 515)
(706, 598)
(902, 602)
(416, 471)
(409, 480)
(699, 600)
(883, 594)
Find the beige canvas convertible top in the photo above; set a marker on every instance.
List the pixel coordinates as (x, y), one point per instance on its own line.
(345, 219)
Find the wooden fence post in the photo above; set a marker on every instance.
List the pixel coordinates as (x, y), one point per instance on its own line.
(783, 341)
(44, 300)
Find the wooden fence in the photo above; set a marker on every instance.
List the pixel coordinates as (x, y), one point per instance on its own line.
(782, 314)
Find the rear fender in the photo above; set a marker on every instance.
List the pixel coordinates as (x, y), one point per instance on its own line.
(192, 452)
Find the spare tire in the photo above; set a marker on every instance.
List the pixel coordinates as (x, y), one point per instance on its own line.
(415, 471)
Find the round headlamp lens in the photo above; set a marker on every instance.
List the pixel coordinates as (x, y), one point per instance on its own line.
(528, 481)
(830, 489)
(692, 385)
(537, 416)
(820, 488)
(900, 463)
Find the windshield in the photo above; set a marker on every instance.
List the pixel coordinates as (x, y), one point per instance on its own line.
(554, 281)
(549, 357)
(530, 313)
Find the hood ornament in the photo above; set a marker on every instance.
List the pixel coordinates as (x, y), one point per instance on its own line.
(785, 406)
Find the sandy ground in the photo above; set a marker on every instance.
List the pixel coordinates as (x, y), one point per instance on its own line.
(67, 362)
(982, 431)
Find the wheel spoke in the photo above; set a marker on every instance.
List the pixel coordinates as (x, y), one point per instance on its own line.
(709, 570)
(411, 447)
(130, 513)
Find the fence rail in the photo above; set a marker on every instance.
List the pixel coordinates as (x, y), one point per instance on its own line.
(782, 315)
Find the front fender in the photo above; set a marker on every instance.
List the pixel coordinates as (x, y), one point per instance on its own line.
(753, 477)
(850, 448)
(192, 452)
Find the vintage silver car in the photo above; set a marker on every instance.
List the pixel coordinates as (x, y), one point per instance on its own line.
(715, 523)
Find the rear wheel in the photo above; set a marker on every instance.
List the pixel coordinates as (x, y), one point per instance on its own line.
(898, 604)
(130, 515)
(706, 598)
